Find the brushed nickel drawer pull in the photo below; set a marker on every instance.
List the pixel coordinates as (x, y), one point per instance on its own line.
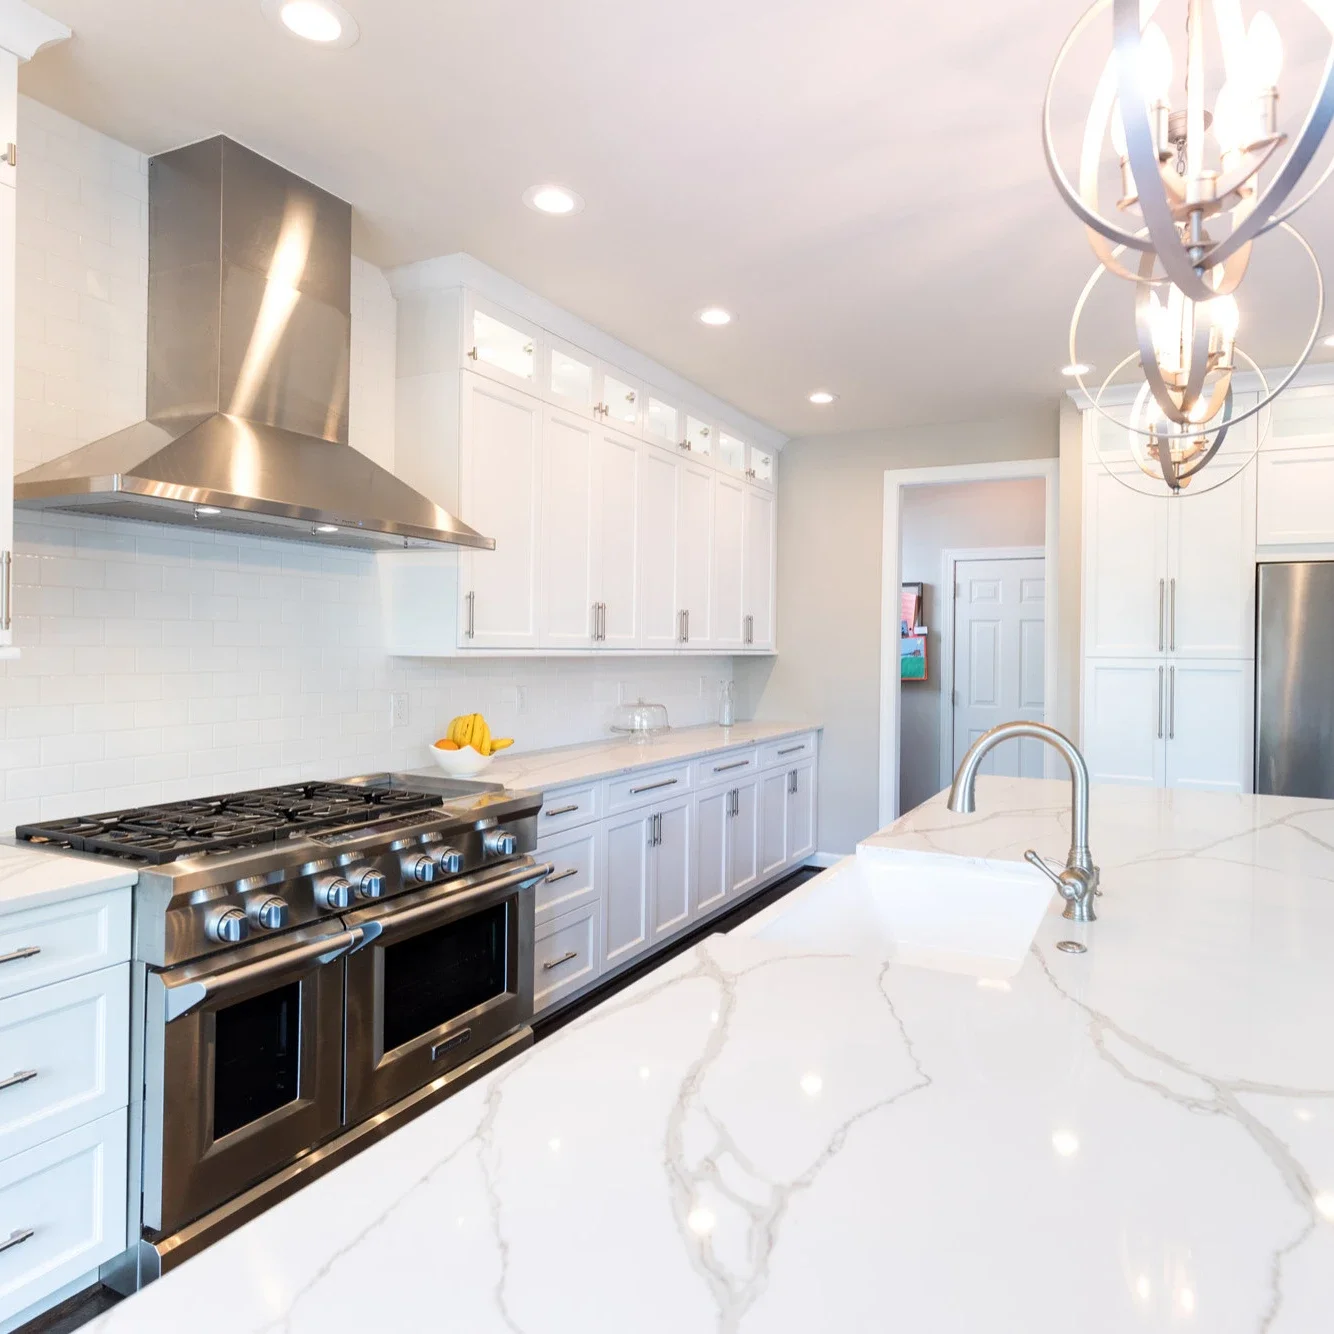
(736, 764)
(562, 875)
(27, 952)
(652, 787)
(16, 1238)
(449, 1044)
(562, 810)
(19, 1077)
(564, 958)
(793, 750)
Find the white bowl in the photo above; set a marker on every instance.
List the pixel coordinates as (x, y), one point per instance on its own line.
(464, 763)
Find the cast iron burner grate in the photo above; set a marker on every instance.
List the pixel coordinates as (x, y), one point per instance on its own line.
(158, 834)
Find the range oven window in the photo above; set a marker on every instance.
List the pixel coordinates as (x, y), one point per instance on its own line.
(435, 977)
(257, 1052)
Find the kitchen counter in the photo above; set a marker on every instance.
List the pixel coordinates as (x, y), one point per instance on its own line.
(30, 878)
(543, 770)
(757, 1137)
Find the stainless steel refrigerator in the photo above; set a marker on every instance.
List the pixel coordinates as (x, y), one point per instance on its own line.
(1294, 697)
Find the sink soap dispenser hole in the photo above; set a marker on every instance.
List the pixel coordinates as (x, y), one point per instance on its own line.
(1072, 947)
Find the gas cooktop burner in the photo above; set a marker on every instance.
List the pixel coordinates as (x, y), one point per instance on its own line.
(159, 834)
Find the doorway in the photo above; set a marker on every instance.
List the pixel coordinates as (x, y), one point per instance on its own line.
(992, 629)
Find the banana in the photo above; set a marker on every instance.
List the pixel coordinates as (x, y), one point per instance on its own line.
(482, 742)
(465, 731)
(500, 742)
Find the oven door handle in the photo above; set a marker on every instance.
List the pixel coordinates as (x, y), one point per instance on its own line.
(451, 903)
(182, 997)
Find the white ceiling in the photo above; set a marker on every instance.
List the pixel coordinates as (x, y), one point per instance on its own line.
(861, 182)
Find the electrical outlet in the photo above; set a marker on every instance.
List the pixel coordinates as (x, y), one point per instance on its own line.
(398, 709)
(521, 699)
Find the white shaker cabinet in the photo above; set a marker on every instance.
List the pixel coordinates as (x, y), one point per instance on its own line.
(499, 472)
(1124, 723)
(1209, 744)
(801, 812)
(662, 625)
(8, 241)
(773, 821)
(501, 345)
(729, 542)
(569, 586)
(625, 887)
(758, 570)
(616, 520)
(671, 875)
(726, 844)
(695, 551)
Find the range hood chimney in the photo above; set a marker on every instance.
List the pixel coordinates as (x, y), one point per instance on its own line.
(249, 280)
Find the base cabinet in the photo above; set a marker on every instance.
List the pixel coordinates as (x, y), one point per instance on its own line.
(773, 821)
(625, 887)
(670, 871)
(727, 853)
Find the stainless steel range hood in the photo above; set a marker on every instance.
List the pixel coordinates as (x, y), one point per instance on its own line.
(249, 278)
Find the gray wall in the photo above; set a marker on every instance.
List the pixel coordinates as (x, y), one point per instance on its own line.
(933, 520)
(830, 508)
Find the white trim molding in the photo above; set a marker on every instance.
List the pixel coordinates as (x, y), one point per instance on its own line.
(25, 30)
(891, 579)
(949, 583)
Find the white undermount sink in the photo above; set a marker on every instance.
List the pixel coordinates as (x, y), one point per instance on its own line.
(957, 914)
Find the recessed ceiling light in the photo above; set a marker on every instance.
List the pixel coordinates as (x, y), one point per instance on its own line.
(715, 316)
(555, 199)
(325, 528)
(320, 21)
(1076, 368)
(821, 396)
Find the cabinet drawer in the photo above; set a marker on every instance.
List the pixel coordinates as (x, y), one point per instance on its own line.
(646, 787)
(566, 808)
(573, 882)
(64, 1056)
(565, 955)
(62, 1210)
(724, 768)
(39, 946)
(787, 751)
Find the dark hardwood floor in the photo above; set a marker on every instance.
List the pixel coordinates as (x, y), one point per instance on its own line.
(92, 1302)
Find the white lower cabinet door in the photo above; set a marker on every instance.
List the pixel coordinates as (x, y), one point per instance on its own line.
(729, 526)
(670, 876)
(568, 589)
(565, 955)
(744, 838)
(661, 624)
(1209, 727)
(625, 887)
(574, 878)
(694, 552)
(1125, 707)
(62, 1210)
(64, 1056)
(617, 519)
(773, 822)
(713, 871)
(801, 813)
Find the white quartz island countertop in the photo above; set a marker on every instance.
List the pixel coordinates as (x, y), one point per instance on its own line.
(760, 1138)
(31, 877)
(543, 770)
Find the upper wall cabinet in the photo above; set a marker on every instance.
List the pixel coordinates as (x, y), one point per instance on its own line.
(8, 243)
(623, 521)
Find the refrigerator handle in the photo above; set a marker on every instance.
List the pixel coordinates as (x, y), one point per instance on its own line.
(1162, 603)
(1160, 703)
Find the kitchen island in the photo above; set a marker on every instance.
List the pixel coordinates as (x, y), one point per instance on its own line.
(761, 1137)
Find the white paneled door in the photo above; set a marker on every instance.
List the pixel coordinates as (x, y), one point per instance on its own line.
(999, 613)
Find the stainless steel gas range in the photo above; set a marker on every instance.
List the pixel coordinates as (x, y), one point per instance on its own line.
(313, 965)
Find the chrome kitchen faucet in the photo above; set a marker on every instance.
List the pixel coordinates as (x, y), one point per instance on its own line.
(1078, 883)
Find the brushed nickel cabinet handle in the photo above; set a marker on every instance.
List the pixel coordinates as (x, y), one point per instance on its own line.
(562, 810)
(562, 875)
(471, 601)
(1172, 616)
(27, 952)
(653, 787)
(736, 764)
(564, 958)
(1171, 703)
(1162, 619)
(18, 1077)
(6, 590)
(687, 625)
(1160, 703)
(793, 750)
(16, 1238)
(472, 352)
(11, 156)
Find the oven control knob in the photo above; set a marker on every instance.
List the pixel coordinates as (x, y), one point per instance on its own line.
(228, 927)
(450, 861)
(371, 885)
(500, 843)
(332, 891)
(419, 868)
(270, 913)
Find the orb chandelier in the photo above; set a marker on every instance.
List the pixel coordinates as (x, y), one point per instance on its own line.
(1198, 188)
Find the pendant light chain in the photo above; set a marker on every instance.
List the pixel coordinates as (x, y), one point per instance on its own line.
(1181, 143)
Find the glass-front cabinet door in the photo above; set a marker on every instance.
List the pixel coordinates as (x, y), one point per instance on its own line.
(571, 378)
(731, 452)
(500, 345)
(620, 401)
(699, 437)
(761, 470)
(662, 422)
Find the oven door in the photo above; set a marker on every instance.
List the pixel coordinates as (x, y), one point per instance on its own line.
(450, 973)
(243, 1068)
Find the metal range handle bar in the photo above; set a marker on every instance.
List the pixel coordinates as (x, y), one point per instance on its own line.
(793, 750)
(563, 875)
(16, 1238)
(18, 1077)
(736, 764)
(521, 878)
(653, 787)
(562, 810)
(182, 997)
(27, 952)
(450, 1043)
(564, 958)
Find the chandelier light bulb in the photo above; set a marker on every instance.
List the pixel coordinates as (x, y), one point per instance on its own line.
(1233, 124)
(1226, 317)
(1156, 63)
(1264, 53)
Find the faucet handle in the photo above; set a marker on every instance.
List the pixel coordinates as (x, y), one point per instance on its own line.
(1075, 885)
(1033, 859)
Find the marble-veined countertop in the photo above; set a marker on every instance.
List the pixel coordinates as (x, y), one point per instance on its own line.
(758, 1138)
(31, 877)
(543, 770)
